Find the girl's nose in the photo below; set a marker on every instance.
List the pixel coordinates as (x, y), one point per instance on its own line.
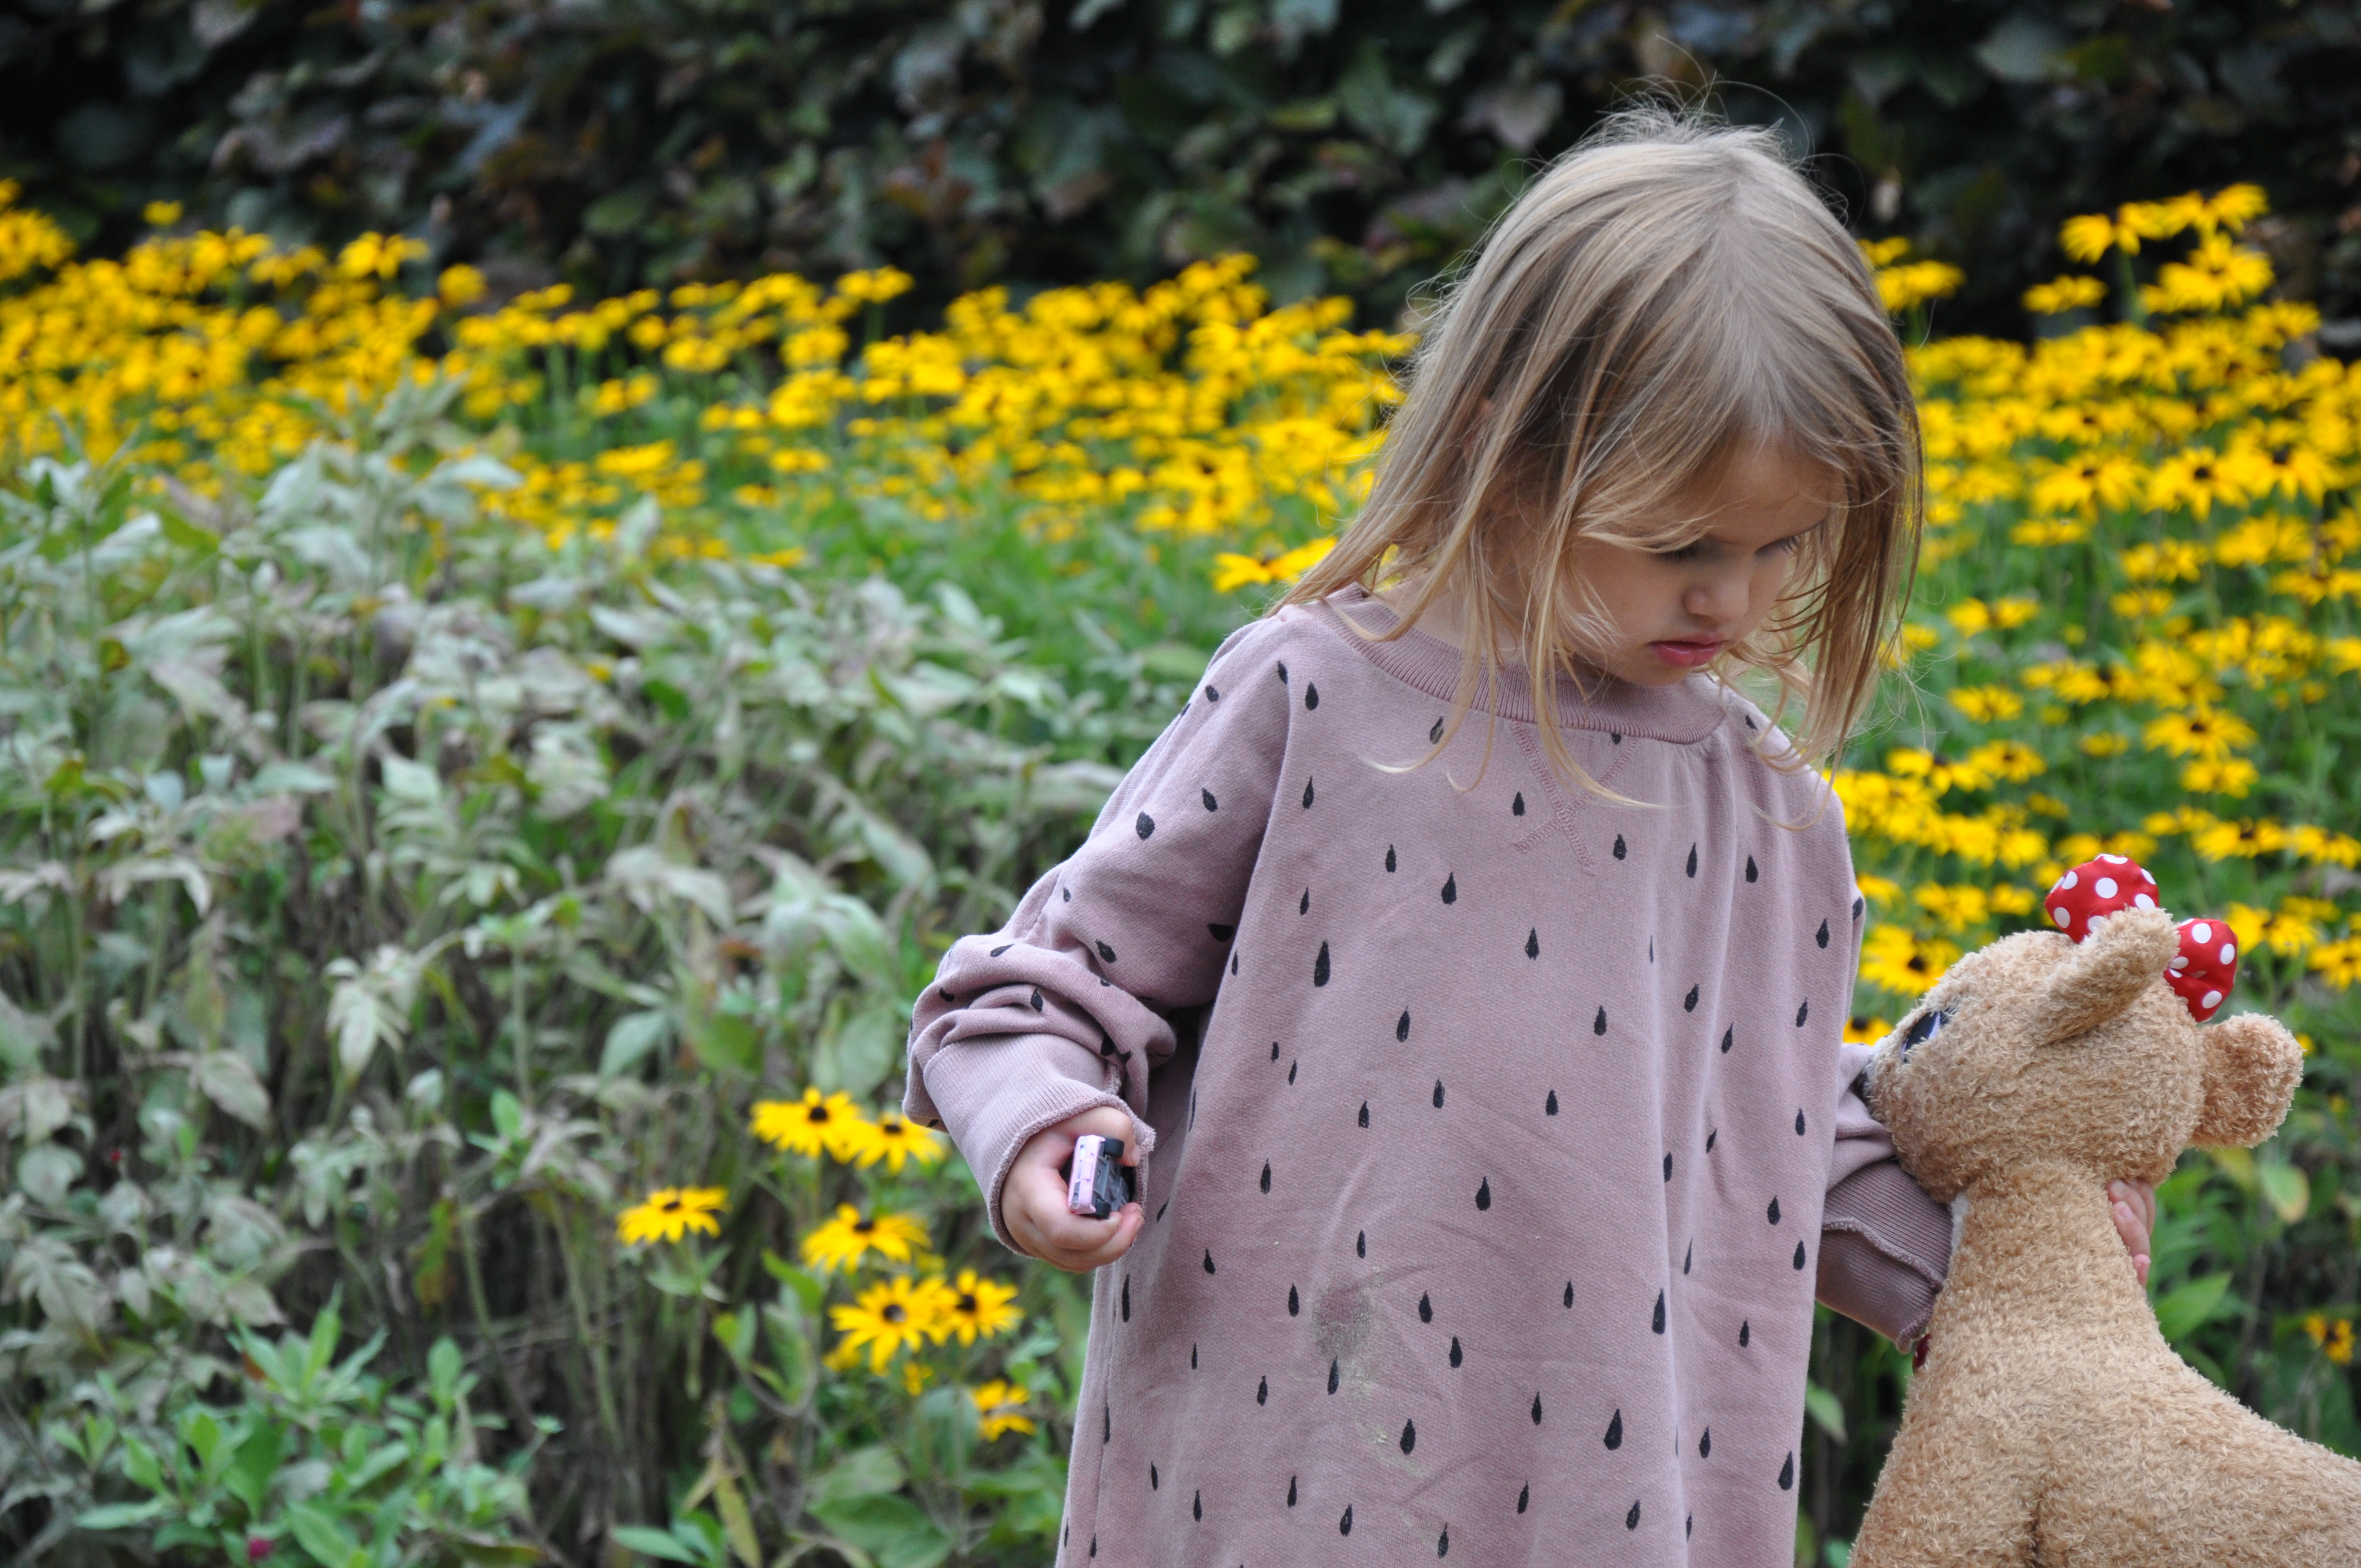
(1717, 599)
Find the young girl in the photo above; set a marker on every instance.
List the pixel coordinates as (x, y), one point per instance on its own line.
(1482, 1077)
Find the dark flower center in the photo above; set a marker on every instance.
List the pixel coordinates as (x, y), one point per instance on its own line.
(967, 1304)
(894, 1314)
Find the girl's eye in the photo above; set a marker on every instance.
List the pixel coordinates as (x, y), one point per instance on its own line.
(1786, 547)
(1689, 551)
(1928, 1024)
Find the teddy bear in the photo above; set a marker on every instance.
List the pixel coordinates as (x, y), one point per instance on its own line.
(2050, 1423)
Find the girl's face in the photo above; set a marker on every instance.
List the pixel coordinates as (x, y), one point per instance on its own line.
(1669, 613)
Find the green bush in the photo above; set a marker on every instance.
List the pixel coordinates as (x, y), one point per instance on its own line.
(615, 141)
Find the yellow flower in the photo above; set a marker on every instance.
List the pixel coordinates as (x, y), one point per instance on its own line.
(671, 1213)
(2209, 733)
(887, 1318)
(2060, 294)
(895, 1139)
(1859, 1030)
(2092, 235)
(2233, 776)
(999, 1407)
(978, 1307)
(161, 214)
(1986, 704)
(460, 286)
(851, 1236)
(1898, 962)
(813, 1126)
(1234, 571)
(2334, 1337)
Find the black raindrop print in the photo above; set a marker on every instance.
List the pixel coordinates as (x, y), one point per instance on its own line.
(1106, 1418)
(1705, 1443)
(1304, 905)
(1451, 888)
(1233, 963)
(1307, 794)
(1688, 1003)
(1361, 1245)
(1213, 695)
(1549, 1106)
(1127, 1298)
(1193, 1343)
(1107, 953)
(1443, 1542)
(1693, 860)
(1037, 999)
(1290, 1071)
(948, 997)
(1787, 1472)
(1615, 736)
(1622, 848)
(1800, 1258)
(1311, 695)
(1274, 1050)
(1569, 1292)
(1775, 1211)
(1745, 1332)
(1751, 875)
(1365, 1112)
(1858, 905)
(1209, 1260)
(1615, 1430)
(1207, 796)
(1438, 1094)
(1728, 1037)
(1709, 1138)
(1152, 1481)
(1652, 948)
(1598, 1025)
(1533, 943)
(1455, 1357)
(1401, 1031)
(1537, 1409)
(1823, 937)
(1333, 1374)
(1145, 826)
(1282, 672)
(1265, 1175)
(1094, 1539)
(1656, 1323)
(1688, 1258)
(1632, 1519)
(1517, 806)
(1219, 932)
(1484, 1194)
(1802, 1013)
(1161, 1206)
(1262, 1392)
(1409, 1436)
(1425, 1309)
(1294, 1303)
(1689, 1527)
(1002, 949)
(1434, 736)
(1320, 965)
(1344, 1525)
(1668, 1164)
(1389, 857)
(1197, 1504)
(1524, 1496)
(1800, 1121)
(1291, 1491)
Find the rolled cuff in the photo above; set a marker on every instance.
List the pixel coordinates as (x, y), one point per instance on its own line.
(1885, 1249)
(995, 1093)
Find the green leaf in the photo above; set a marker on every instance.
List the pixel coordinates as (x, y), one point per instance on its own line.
(1826, 1410)
(2286, 1189)
(2190, 1304)
(249, 1474)
(863, 1472)
(318, 1533)
(119, 1516)
(633, 1036)
(653, 1544)
(507, 1116)
(184, 533)
(139, 1464)
(892, 1529)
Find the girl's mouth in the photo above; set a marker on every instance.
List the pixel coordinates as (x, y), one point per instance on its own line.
(1688, 652)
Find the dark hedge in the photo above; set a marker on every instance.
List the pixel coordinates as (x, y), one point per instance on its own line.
(613, 142)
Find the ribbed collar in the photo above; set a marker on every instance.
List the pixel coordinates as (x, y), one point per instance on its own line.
(1683, 714)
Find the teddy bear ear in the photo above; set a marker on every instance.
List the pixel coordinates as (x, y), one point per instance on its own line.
(2102, 974)
(2252, 1064)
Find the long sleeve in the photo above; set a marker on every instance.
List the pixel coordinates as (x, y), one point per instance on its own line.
(1886, 1246)
(1070, 1005)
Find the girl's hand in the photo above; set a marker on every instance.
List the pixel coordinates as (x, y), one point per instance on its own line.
(2135, 1209)
(1033, 1200)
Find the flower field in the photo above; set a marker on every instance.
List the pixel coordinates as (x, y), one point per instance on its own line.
(480, 785)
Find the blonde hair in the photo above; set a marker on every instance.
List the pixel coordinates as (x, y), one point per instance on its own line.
(1667, 295)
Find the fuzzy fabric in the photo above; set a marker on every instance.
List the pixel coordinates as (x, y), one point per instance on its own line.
(2052, 1424)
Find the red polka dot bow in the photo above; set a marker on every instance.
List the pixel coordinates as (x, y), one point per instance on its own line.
(2202, 972)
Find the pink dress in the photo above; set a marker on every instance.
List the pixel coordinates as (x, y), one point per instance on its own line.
(1499, 1137)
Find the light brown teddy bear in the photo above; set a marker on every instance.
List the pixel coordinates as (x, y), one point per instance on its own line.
(2051, 1423)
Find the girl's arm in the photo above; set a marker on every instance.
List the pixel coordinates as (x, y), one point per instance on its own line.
(1068, 1007)
(1886, 1246)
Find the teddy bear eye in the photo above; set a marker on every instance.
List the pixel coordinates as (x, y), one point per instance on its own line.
(1928, 1024)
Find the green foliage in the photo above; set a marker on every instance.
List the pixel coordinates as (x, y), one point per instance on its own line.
(1357, 148)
